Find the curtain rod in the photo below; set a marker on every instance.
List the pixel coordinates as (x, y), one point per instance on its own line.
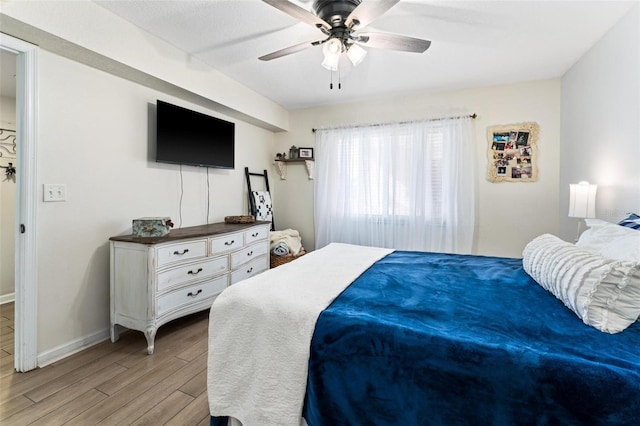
(473, 116)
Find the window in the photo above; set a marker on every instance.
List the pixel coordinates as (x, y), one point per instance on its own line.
(406, 186)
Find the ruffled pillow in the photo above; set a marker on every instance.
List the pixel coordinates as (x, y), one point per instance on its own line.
(603, 292)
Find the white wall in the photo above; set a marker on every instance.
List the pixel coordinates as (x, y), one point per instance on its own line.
(601, 124)
(509, 214)
(95, 129)
(7, 207)
(95, 133)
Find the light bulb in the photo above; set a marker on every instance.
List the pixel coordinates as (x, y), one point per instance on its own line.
(332, 47)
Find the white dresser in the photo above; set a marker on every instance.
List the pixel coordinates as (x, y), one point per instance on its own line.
(156, 280)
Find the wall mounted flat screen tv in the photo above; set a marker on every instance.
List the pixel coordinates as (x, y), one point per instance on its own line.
(192, 138)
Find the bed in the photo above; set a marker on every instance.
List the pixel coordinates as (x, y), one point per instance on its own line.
(411, 338)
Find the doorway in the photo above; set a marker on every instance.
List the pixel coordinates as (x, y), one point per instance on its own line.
(7, 208)
(25, 229)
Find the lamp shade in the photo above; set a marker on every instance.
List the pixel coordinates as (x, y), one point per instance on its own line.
(356, 54)
(331, 62)
(582, 200)
(332, 51)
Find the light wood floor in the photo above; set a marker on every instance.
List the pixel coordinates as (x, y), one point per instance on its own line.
(112, 383)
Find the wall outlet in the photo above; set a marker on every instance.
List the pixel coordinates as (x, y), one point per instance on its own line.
(54, 192)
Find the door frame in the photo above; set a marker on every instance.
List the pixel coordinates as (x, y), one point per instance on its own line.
(26, 265)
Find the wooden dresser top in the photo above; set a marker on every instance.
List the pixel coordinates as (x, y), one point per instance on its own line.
(190, 232)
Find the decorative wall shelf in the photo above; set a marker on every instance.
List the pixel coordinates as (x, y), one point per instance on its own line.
(282, 166)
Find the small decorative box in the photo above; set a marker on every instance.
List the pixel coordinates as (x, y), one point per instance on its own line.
(151, 226)
(239, 219)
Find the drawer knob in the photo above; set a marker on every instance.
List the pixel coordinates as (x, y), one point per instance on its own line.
(250, 270)
(196, 272)
(250, 253)
(255, 234)
(229, 243)
(192, 294)
(178, 253)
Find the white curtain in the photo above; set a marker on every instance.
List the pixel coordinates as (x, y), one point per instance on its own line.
(408, 186)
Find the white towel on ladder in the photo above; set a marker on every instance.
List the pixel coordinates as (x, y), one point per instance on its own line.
(264, 208)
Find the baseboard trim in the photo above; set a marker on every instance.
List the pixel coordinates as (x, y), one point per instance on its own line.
(7, 298)
(63, 351)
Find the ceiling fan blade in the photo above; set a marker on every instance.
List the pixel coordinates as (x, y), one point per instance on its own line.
(367, 11)
(298, 12)
(289, 50)
(393, 42)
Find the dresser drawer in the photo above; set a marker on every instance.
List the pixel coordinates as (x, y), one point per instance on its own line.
(191, 294)
(250, 269)
(255, 234)
(247, 254)
(181, 252)
(227, 243)
(199, 270)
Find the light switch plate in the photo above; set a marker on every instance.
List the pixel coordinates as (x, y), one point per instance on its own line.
(54, 192)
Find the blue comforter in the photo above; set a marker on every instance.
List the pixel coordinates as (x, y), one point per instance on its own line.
(437, 339)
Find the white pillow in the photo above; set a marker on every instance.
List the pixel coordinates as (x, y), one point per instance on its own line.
(611, 240)
(601, 233)
(603, 292)
(624, 248)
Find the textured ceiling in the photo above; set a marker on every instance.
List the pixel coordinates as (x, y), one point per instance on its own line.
(474, 43)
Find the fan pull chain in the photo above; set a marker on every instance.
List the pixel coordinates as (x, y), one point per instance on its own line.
(339, 80)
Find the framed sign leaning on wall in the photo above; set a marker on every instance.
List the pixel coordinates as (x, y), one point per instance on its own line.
(513, 152)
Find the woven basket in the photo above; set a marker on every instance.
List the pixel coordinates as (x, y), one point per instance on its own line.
(239, 219)
(281, 260)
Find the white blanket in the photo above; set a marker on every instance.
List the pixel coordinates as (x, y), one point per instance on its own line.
(290, 237)
(260, 334)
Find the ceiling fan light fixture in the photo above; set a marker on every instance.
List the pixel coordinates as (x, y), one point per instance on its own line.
(332, 47)
(331, 61)
(332, 50)
(338, 21)
(356, 54)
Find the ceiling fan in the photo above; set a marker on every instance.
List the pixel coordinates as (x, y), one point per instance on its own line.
(339, 21)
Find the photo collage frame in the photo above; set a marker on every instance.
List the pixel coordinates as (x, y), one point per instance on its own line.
(513, 153)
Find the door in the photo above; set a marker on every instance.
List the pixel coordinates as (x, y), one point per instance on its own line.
(26, 338)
